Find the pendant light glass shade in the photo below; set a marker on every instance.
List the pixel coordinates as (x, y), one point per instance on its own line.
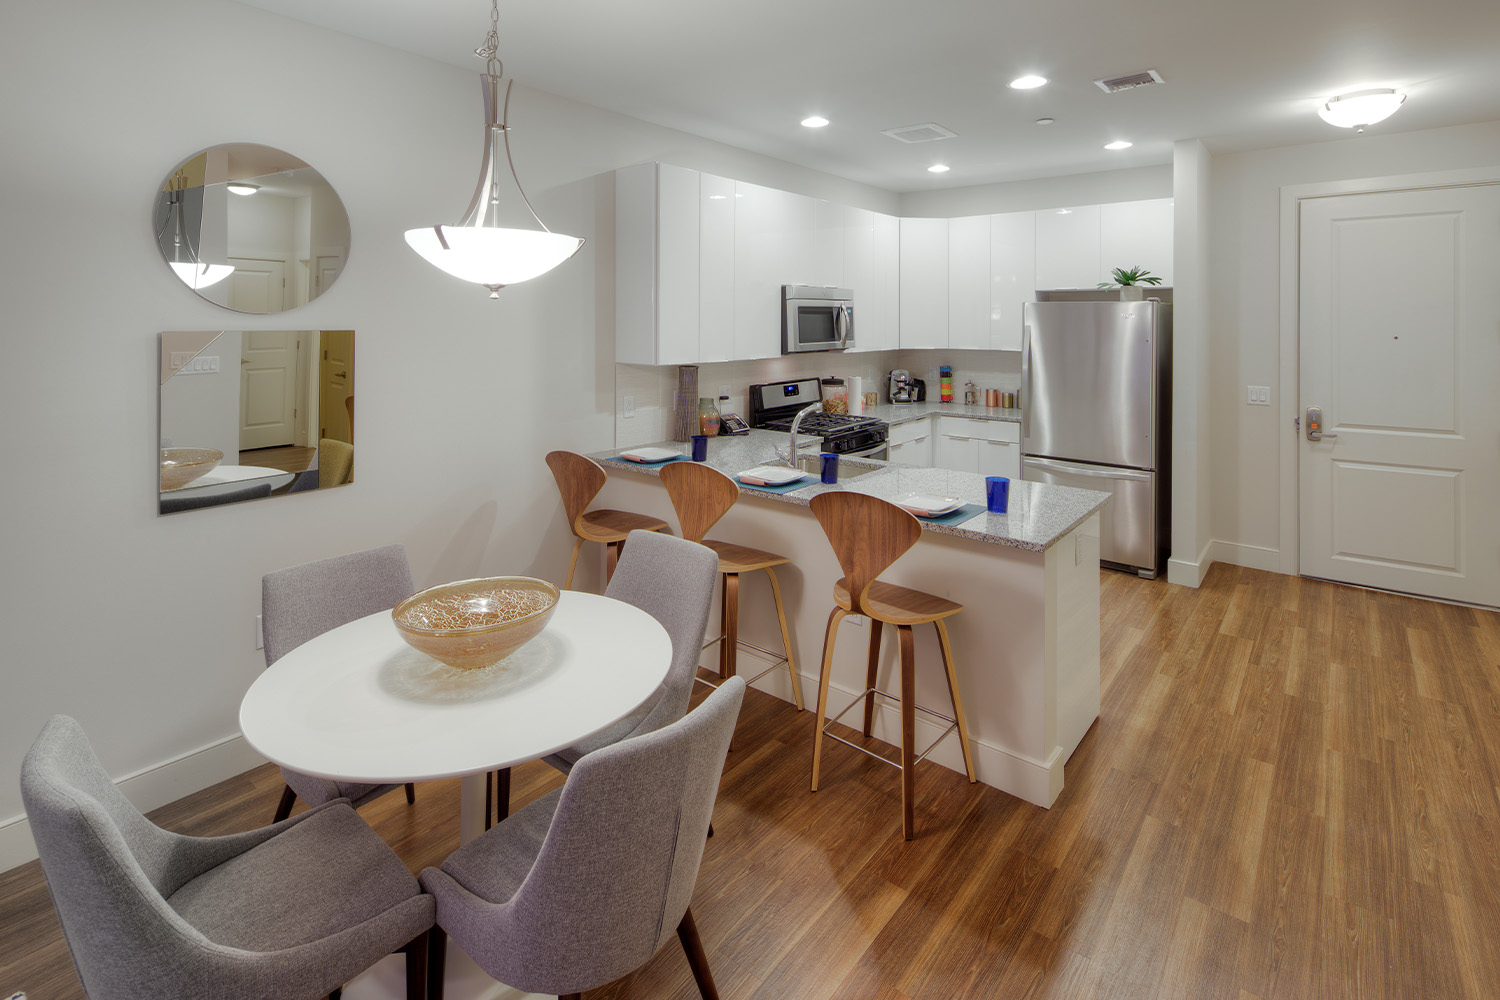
(479, 248)
(197, 276)
(1363, 108)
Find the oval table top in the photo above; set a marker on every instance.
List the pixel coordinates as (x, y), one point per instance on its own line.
(358, 704)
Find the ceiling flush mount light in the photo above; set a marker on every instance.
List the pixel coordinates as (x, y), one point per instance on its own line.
(1029, 82)
(479, 248)
(1118, 144)
(938, 168)
(814, 121)
(1364, 107)
(241, 188)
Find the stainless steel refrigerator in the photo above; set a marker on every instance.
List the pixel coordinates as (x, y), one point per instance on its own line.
(1096, 413)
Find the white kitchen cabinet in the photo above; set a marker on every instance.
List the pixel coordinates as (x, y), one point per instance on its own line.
(1067, 247)
(984, 447)
(1012, 276)
(924, 283)
(657, 272)
(910, 443)
(872, 270)
(715, 268)
(771, 249)
(1136, 234)
(825, 243)
(969, 282)
(999, 458)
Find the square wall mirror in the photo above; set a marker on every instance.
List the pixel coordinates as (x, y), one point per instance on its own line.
(250, 414)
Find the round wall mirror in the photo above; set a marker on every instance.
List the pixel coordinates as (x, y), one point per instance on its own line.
(251, 228)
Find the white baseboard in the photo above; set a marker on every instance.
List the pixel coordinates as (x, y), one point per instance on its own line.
(149, 788)
(1189, 573)
(1036, 781)
(1248, 556)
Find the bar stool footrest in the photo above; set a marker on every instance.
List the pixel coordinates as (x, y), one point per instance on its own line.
(952, 727)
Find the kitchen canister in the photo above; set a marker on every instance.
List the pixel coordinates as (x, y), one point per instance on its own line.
(835, 396)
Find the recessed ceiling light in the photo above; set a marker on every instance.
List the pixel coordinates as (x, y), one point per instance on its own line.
(814, 121)
(239, 187)
(1045, 121)
(1118, 144)
(1029, 82)
(938, 168)
(1364, 107)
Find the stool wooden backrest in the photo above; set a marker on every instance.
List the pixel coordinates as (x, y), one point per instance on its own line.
(579, 480)
(700, 496)
(867, 535)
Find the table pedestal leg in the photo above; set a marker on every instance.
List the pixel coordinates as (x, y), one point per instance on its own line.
(471, 806)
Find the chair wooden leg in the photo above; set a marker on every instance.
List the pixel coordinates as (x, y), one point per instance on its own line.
(786, 639)
(908, 727)
(489, 799)
(611, 558)
(572, 563)
(692, 946)
(729, 614)
(416, 967)
(284, 807)
(437, 962)
(958, 702)
(411, 793)
(823, 677)
(876, 628)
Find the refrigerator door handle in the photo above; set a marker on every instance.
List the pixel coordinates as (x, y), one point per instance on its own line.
(1091, 471)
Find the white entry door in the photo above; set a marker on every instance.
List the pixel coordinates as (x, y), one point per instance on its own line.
(268, 388)
(1400, 348)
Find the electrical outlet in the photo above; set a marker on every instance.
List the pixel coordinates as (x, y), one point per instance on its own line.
(1258, 395)
(260, 635)
(627, 407)
(723, 390)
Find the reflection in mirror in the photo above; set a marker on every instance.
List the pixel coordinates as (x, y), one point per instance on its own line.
(247, 414)
(251, 228)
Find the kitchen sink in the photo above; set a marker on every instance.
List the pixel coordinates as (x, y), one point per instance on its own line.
(848, 467)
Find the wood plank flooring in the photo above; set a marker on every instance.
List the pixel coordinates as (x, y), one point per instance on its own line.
(1291, 793)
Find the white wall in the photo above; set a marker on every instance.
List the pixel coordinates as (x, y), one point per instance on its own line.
(1252, 487)
(460, 396)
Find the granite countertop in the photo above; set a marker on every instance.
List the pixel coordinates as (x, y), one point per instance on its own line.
(901, 413)
(1040, 514)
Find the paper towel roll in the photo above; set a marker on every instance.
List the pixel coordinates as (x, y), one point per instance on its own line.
(856, 395)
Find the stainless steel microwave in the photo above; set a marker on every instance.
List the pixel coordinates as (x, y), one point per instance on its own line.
(815, 318)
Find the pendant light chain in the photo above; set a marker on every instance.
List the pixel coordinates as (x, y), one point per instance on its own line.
(491, 47)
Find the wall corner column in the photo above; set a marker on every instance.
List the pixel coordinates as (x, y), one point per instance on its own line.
(1191, 530)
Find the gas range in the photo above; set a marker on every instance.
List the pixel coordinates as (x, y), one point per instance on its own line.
(773, 405)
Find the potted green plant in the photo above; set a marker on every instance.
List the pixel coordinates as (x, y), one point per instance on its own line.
(1129, 281)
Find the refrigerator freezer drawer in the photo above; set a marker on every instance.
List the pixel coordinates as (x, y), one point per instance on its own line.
(1128, 532)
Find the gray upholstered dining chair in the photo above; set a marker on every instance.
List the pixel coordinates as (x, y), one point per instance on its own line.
(672, 581)
(587, 883)
(291, 910)
(302, 602)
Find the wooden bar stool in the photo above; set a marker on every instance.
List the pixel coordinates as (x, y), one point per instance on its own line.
(867, 535)
(579, 480)
(700, 496)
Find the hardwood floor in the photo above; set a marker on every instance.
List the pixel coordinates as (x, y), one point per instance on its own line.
(1291, 792)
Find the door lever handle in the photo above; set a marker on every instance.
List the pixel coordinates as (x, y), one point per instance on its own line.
(1315, 425)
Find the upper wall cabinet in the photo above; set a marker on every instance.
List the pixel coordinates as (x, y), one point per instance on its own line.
(969, 282)
(1136, 234)
(1067, 247)
(924, 283)
(657, 270)
(1012, 276)
(872, 270)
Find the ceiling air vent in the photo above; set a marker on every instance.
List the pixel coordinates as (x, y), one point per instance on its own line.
(920, 133)
(1130, 81)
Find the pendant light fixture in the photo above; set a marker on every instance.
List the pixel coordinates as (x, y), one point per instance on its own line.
(479, 248)
(183, 257)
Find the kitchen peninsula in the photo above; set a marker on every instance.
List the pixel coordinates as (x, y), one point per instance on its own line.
(1026, 647)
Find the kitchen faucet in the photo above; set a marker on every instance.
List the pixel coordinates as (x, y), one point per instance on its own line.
(796, 422)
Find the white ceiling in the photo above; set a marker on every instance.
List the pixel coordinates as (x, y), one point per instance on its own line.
(1238, 75)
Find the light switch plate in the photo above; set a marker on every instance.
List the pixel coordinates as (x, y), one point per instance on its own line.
(1258, 395)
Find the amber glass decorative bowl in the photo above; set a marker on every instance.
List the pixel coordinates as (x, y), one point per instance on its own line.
(180, 466)
(476, 623)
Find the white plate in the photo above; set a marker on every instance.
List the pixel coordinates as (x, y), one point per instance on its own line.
(650, 454)
(928, 504)
(772, 475)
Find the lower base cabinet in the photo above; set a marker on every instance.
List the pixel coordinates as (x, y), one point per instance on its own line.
(984, 447)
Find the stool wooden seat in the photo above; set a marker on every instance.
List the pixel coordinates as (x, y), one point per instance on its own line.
(579, 480)
(867, 535)
(701, 496)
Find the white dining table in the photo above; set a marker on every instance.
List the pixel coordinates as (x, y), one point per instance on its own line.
(358, 704)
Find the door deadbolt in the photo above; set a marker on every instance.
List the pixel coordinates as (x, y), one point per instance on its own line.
(1315, 425)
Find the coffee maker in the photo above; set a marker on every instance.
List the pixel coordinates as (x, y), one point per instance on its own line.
(900, 386)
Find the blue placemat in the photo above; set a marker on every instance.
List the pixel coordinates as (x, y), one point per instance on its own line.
(783, 488)
(953, 517)
(648, 465)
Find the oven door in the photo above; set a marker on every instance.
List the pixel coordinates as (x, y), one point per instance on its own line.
(880, 452)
